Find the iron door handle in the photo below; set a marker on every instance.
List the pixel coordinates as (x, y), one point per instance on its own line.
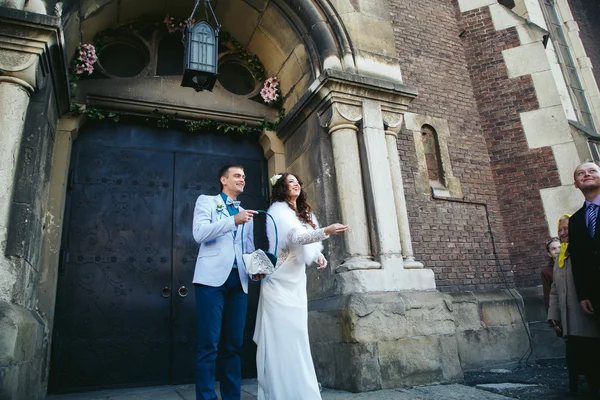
(166, 292)
(182, 291)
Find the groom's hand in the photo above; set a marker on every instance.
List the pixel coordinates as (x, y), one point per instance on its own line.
(258, 277)
(244, 216)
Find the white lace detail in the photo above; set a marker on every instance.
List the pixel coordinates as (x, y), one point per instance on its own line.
(306, 238)
(282, 257)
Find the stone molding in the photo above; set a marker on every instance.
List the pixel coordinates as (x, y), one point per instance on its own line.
(131, 105)
(32, 54)
(336, 87)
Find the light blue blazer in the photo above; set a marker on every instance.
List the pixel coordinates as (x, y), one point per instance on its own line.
(220, 243)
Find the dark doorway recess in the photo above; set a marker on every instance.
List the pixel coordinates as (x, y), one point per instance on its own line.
(122, 314)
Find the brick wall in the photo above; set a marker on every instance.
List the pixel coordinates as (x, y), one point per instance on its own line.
(455, 62)
(519, 172)
(587, 15)
(450, 238)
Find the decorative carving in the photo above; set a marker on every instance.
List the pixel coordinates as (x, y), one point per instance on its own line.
(340, 114)
(392, 122)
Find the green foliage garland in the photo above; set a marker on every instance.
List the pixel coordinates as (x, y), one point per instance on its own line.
(228, 41)
(94, 112)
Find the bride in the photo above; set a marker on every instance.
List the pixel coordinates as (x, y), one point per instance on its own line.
(283, 359)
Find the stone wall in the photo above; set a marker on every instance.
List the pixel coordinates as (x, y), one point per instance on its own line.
(372, 341)
(25, 332)
(33, 93)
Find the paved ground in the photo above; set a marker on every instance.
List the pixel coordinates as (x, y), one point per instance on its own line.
(547, 381)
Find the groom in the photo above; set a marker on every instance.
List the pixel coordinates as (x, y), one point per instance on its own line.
(221, 284)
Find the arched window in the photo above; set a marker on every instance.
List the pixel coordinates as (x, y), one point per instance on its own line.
(434, 175)
(433, 158)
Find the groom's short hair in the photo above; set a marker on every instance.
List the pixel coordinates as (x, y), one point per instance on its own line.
(224, 171)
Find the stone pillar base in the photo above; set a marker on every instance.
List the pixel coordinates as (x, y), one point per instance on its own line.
(22, 361)
(391, 279)
(370, 341)
(410, 263)
(356, 263)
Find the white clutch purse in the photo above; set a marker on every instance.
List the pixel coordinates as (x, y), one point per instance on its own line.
(259, 261)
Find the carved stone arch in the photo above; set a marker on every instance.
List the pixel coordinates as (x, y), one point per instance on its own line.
(325, 33)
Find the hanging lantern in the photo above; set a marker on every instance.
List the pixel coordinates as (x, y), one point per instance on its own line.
(201, 52)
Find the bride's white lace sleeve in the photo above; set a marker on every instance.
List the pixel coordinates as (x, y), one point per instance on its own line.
(307, 237)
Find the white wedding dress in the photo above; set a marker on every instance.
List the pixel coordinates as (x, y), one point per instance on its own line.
(284, 362)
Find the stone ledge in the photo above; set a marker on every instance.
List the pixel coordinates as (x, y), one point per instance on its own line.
(30, 17)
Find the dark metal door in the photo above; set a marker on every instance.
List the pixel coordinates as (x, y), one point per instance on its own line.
(125, 312)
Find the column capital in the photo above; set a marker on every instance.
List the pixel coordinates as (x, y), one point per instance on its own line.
(392, 121)
(340, 115)
(31, 52)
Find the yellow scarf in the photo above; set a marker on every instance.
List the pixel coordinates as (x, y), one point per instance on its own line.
(562, 257)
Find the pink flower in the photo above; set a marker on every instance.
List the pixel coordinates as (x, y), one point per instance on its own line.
(87, 58)
(270, 90)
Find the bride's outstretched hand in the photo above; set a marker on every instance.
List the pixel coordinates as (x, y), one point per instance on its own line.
(335, 229)
(321, 261)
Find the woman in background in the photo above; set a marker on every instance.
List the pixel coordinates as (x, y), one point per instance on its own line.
(553, 250)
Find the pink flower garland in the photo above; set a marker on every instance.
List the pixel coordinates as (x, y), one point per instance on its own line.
(270, 91)
(86, 59)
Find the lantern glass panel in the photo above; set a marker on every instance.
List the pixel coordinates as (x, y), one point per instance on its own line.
(203, 48)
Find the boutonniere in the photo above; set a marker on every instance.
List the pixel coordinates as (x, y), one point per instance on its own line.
(220, 210)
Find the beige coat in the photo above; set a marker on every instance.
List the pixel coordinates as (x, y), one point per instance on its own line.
(564, 306)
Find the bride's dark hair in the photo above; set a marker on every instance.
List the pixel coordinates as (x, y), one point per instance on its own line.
(280, 193)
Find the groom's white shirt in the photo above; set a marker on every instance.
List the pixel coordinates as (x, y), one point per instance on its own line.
(220, 243)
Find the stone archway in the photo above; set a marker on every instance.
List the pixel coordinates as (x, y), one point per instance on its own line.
(136, 96)
(323, 58)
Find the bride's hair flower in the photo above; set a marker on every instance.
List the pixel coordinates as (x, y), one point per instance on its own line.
(274, 179)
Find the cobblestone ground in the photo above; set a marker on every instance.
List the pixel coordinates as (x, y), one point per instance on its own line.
(551, 380)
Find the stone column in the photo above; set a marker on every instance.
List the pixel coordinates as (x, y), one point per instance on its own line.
(14, 99)
(393, 123)
(341, 120)
(380, 193)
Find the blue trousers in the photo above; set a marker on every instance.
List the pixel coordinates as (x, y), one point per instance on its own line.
(220, 315)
